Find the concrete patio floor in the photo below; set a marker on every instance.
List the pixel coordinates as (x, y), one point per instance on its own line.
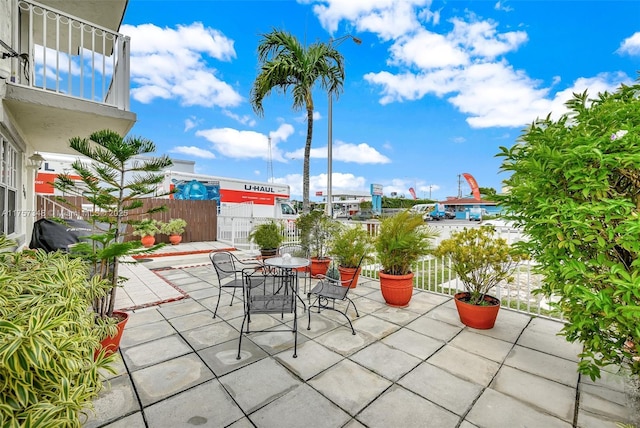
(412, 367)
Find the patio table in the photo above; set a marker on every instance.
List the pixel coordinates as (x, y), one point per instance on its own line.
(288, 264)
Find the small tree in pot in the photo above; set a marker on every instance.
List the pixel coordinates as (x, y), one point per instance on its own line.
(481, 260)
(114, 183)
(402, 240)
(316, 230)
(267, 236)
(174, 228)
(348, 245)
(146, 229)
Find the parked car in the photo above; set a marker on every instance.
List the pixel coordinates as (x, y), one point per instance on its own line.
(341, 215)
(449, 214)
(498, 223)
(363, 215)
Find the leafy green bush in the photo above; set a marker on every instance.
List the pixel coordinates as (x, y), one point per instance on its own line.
(349, 244)
(480, 259)
(268, 236)
(47, 338)
(316, 231)
(402, 240)
(175, 226)
(575, 188)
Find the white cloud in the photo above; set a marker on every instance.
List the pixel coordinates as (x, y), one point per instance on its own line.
(427, 50)
(169, 63)
(630, 45)
(469, 70)
(193, 151)
(388, 18)
(191, 122)
(482, 39)
(303, 117)
(238, 144)
(244, 119)
(502, 5)
(350, 153)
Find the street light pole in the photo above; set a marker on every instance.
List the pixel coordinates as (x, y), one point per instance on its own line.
(329, 205)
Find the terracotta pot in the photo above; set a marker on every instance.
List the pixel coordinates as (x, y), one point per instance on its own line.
(319, 266)
(476, 316)
(148, 241)
(396, 289)
(175, 239)
(111, 344)
(346, 273)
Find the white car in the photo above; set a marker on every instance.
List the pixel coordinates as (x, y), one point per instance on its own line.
(499, 223)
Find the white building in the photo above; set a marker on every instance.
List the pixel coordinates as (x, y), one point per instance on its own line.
(64, 72)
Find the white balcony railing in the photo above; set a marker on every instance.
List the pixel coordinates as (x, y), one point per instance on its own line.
(67, 55)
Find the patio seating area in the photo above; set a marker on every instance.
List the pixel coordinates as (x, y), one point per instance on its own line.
(411, 367)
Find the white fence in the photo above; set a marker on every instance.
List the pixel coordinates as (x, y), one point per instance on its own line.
(431, 274)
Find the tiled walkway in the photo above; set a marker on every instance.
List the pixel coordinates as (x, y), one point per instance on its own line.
(412, 367)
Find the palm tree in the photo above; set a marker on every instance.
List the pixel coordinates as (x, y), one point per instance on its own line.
(285, 64)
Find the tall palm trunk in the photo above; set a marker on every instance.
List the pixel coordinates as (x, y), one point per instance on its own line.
(307, 153)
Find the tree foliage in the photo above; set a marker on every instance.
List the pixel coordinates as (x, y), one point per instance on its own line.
(575, 187)
(114, 182)
(287, 65)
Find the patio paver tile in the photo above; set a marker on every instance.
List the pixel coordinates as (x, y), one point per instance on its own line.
(258, 384)
(398, 407)
(350, 385)
(386, 361)
(465, 365)
(312, 359)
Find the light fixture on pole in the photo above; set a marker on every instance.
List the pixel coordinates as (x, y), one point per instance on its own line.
(329, 204)
(35, 162)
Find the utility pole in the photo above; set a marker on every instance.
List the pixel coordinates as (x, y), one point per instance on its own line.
(459, 186)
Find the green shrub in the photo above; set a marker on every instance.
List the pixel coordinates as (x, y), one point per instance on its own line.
(480, 259)
(402, 240)
(575, 186)
(267, 236)
(47, 339)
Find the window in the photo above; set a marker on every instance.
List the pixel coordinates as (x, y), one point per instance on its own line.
(8, 186)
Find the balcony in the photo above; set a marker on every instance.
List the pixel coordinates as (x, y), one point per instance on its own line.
(71, 75)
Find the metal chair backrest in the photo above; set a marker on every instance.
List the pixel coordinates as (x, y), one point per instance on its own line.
(295, 250)
(224, 264)
(270, 293)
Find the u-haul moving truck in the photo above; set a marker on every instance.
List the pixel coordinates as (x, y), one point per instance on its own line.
(235, 197)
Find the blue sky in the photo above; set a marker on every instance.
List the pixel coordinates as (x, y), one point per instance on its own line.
(433, 90)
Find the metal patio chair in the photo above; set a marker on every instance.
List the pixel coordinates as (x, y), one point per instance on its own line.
(229, 270)
(328, 290)
(273, 293)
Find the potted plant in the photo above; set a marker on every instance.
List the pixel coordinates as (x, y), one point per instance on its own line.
(114, 183)
(268, 237)
(316, 230)
(574, 188)
(174, 228)
(47, 338)
(348, 245)
(402, 240)
(481, 260)
(146, 229)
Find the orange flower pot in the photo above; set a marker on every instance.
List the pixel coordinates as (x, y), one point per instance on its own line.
(111, 344)
(347, 273)
(482, 317)
(396, 289)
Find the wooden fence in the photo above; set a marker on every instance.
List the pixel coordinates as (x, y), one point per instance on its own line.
(201, 216)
